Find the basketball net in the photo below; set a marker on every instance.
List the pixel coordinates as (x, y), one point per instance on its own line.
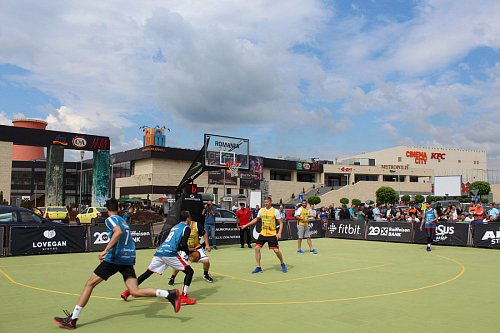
(233, 168)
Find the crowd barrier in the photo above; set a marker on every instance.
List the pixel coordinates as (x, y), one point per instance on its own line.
(28, 240)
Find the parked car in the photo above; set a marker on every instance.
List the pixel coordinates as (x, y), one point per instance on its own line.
(225, 216)
(57, 213)
(92, 215)
(13, 215)
(39, 210)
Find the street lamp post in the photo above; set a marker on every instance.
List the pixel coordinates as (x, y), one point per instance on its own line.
(348, 190)
(82, 154)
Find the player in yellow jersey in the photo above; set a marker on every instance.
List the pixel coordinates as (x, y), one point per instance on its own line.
(302, 215)
(197, 231)
(269, 216)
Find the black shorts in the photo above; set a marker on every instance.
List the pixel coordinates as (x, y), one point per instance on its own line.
(272, 241)
(105, 270)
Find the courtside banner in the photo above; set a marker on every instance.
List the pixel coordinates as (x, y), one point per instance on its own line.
(98, 237)
(42, 240)
(389, 231)
(446, 234)
(487, 235)
(346, 229)
(227, 233)
(2, 233)
(316, 228)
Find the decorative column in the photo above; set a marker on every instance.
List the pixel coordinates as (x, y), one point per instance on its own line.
(100, 178)
(54, 175)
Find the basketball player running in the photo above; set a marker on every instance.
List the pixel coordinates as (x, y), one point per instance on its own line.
(430, 221)
(167, 255)
(197, 230)
(268, 215)
(118, 256)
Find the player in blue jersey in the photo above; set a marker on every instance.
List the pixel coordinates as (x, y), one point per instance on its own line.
(430, 218)
(168, 255)
(118, 256)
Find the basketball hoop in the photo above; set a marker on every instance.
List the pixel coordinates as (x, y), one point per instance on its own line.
(233, 168)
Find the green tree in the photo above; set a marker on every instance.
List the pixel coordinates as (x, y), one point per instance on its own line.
(1, 197)
(26, 204)
(314, 200)
(370, 202)
(419, 198)
(293, 195)
(356, 202)
(483, 187)
(484, 200)
(431, 198)
(405, 198)
(386, 194)
(438, 198)
(344, 201)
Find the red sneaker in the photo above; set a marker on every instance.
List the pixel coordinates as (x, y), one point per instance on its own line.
(125, 295)
(185, 300)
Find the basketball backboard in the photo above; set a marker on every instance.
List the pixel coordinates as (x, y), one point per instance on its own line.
(220, 149)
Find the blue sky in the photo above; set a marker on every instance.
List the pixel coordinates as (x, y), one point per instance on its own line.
(298, 78)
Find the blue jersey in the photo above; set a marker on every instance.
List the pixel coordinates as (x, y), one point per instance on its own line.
(430, 215)
(170, 246)
(123, 253)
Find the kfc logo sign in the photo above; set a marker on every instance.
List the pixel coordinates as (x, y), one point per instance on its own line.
(437, 156)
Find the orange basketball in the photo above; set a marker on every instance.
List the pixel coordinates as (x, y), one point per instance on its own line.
(194, 256)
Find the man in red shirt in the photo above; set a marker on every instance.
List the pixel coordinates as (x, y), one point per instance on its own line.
(244, 216)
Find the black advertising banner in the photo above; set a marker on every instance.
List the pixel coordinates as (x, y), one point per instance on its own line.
(41, 240)
(142, 235)
(2, 233)
(252, 177)
(346, 229)
(487, 235)
(446, 234)
(316, 228)
(216, 177)
(292, 225)
(98, 237)
(389, 231)
(227, 233)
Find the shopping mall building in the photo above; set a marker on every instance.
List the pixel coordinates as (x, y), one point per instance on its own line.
(409, 170)
(154, 171)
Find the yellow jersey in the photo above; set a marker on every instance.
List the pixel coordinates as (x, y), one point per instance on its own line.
(194, 237)
(268, 218)
(303, 217)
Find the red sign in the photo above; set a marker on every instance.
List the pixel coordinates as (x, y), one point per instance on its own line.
(346, 169)
(420, 157)
(102, 144)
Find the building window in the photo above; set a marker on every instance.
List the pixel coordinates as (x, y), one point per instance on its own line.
(228, 191)
(216, 190)
(281, 175)
(459, 161)
(413, 179)
(242, 191)
(400, 159)
(306, 177)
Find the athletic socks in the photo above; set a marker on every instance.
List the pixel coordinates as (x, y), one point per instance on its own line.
(76, 312)
(185, 290)
(161, 293)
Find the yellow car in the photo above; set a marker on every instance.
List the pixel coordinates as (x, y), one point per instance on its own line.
(56, 213)
(92, 215)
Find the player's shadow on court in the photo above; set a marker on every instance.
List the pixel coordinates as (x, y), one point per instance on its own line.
(278, 268)
(160, 310)
(201, 294)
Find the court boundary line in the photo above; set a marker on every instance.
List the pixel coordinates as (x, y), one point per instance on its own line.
(346, 299)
